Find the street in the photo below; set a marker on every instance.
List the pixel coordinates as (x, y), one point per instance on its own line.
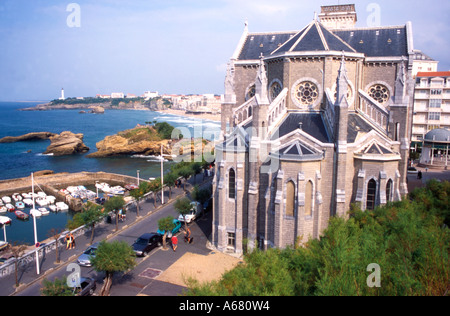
(139, 281)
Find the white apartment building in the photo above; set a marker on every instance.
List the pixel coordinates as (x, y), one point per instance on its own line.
(431, 103)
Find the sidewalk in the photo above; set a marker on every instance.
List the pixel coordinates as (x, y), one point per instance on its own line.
(27, 275)
(438, 174)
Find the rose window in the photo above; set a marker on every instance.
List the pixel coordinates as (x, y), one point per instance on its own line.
(379, 93)
(307, 93)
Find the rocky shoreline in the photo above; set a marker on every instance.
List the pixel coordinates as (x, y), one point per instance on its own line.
(66, 143)
(98, 108)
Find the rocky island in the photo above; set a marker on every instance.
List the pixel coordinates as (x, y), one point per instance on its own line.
(66, 143)
(27, 137)
(147, 140)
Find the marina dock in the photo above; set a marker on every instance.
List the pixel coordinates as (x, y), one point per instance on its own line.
(51, 184)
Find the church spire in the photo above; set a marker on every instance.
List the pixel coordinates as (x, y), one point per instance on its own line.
(342, 83)
(262, 82)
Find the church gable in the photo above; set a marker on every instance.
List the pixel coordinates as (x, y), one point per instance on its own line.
(299, 151)
(374, 150)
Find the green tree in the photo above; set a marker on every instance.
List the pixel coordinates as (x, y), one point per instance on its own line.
(183, 207)
(185, 172)
(170, 180)
(138, 194)
(407, 239)
(196, 169)
(115, 204)
(166, 224)
(91, 215)
(56, 288)
(155, 187)
(112, 258)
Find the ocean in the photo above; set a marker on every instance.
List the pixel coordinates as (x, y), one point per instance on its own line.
(22, 158)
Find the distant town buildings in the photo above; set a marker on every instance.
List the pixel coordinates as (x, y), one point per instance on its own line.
(431, 104)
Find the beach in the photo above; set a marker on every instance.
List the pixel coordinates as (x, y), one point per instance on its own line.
(204, 116)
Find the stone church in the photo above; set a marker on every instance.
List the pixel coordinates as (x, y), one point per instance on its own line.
(312, 121)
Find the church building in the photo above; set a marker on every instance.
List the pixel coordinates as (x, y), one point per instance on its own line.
(312, 121)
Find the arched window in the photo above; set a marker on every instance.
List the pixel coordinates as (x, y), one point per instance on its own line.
(389, 190)
(308, 198)
(232, 184)
(290, 198)
(371, 192)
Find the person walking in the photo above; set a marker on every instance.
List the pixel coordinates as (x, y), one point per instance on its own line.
(187, 237)
(72, 241)
(174, 241)
(68, 241)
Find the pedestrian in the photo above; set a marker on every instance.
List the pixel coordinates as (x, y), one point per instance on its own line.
(68, 241)
(187, 236)
(419, 175)
(174, 241)
(72, 244)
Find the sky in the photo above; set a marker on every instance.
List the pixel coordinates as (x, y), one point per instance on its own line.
(169, 46)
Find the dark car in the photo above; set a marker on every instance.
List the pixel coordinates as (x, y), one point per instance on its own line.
(87, 287)
(144, 244)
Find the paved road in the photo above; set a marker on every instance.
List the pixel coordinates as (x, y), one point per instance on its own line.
(133, 283)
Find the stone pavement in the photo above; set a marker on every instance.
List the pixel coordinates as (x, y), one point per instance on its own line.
(143, 280)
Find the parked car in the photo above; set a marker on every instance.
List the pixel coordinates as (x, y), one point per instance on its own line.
(85, 259)
(174, 231)
(87, 287)
(146, 243)
(412, 170)
(196, 210)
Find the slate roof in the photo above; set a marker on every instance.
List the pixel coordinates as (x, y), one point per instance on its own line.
(377, 42)
(373, 42)
(314, 37)
(356, 125)
(264, 43)
(312, 124)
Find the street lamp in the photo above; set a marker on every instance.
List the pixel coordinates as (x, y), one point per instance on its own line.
(138, 176)
(162, 175)
(34, 225)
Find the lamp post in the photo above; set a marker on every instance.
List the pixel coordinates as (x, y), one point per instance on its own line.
(34, 225)
(138, 177)
(162, 176)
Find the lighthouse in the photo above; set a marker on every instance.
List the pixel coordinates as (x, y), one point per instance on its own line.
(62, 94)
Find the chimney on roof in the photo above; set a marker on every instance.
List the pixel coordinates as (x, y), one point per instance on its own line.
(338, 16)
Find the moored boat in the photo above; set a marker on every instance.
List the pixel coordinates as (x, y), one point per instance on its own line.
(53, 208)
(5, 220)
(61, 206)
(17, 197)
(28, 202)
(3, 209)
(44, 211)
(3, 245)
(20, 205)
(21, 215)
(10, 207)
(6, 199)
(34, 212)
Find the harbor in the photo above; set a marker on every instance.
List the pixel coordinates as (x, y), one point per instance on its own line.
(57, 197)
